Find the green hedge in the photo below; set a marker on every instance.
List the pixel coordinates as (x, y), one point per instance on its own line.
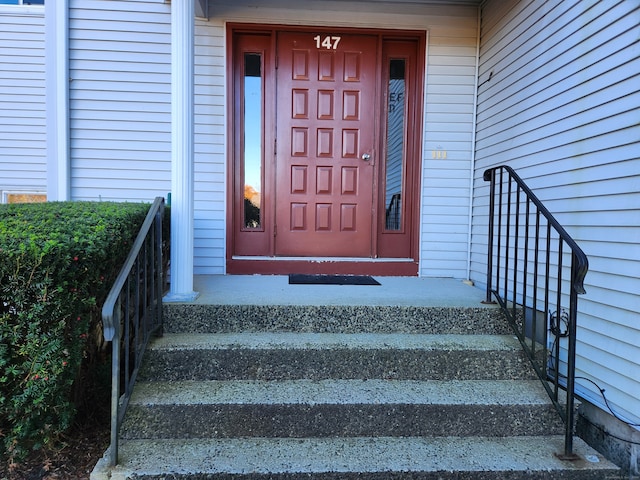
(57, 263)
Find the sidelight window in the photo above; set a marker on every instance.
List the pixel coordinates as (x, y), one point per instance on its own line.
(396, 113)
(252, 161)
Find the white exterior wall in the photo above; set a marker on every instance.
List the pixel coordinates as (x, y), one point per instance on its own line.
(120, 99)
(120, 104)
(448, 144)
(451, 56)
(563, 108)
(210, 148)
(119, 115)
(22, 99)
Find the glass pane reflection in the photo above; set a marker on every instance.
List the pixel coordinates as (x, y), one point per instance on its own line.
(252, 160)
(395, 145)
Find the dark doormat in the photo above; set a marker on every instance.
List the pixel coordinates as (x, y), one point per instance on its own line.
(301, 279)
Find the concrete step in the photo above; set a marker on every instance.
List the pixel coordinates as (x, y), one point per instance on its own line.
(307, 408)
(200, 318)
(334, 392)
(320, 356)
(380, 458)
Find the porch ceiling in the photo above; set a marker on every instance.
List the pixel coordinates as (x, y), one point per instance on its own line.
(419, 2)
(201, 5)
(204, 7)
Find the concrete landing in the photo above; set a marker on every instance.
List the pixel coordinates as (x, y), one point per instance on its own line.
(275, 290)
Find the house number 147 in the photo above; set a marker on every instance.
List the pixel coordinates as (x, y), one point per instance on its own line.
(328, 42)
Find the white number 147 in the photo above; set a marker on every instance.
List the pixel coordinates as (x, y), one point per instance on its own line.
(328, 42)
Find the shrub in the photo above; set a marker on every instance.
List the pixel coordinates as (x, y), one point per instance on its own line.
(57, 263)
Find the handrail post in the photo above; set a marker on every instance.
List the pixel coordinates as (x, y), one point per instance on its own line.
(571, 362)
(160, 274)
(115, 384)
(492, 190)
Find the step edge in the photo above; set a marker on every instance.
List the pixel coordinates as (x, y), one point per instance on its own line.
(340, 392)
(366, 455)
(327, 341)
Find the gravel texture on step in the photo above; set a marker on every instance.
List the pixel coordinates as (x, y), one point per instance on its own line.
(457, 392)
(320, 356)
(363, 458)
(194, 318)
(328, 408)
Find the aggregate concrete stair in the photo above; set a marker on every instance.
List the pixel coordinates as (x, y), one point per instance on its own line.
(284, 392)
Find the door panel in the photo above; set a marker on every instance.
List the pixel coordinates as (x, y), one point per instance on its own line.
(326, 121)
(399, 163)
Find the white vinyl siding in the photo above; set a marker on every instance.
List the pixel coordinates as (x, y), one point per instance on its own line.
(22, 100)
(120, 113)
(210, 157)
(448, 136)
(120, 99)
(562, 108)
(449, 99)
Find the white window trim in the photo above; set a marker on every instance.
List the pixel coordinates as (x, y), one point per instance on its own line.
(21, 9)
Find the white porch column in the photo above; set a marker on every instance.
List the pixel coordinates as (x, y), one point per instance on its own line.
(182, 39)
(56, 18)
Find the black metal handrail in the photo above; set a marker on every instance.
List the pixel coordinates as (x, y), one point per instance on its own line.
(527, 264)
(132, 312)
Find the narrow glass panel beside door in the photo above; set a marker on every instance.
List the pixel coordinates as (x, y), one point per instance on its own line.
(395, 145)
(252, 127)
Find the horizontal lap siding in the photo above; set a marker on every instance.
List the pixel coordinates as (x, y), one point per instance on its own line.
(132, 80)
(448, 112)
(451, 64)
(210, 157)
(120, 99)
(22, 100)
(121, 113)
(561, 107)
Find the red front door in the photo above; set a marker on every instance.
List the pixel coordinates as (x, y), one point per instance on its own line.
(325, 151)
(325, 144)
